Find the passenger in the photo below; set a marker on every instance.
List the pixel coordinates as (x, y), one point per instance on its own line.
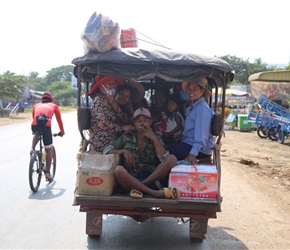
(158, 109)
(143, 103)
(196, 141)
(140, 168)
(127, 94)
(175, 121)
(105, 114)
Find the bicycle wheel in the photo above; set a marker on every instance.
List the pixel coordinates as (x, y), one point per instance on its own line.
(262, 132)
(53, 162)
(273, 133)
(34, 172)
(281, 136)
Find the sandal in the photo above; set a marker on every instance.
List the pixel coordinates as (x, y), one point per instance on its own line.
(134, 193)
(171, 193)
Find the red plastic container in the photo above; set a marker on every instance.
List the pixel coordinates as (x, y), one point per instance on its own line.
(128, 38)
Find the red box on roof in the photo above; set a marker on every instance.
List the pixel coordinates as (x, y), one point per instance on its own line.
(128, 38)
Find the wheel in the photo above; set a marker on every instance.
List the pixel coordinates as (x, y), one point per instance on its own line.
(262, 132)
(34, 172)
(6, 112)
(273, 133)
(53, 162)
(281, 136)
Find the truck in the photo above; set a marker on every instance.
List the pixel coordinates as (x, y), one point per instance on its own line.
(152, 68)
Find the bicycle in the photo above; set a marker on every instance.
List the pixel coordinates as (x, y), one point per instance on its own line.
(37, 164)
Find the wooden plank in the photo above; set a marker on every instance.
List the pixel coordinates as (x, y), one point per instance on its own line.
(126, 201)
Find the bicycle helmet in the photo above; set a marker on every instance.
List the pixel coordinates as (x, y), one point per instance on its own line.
(47, 96)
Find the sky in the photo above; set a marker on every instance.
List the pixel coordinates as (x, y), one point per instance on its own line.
(38, 35)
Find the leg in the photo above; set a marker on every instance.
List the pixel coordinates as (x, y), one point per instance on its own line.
(162, 170)
(48, 158)
(47, 141)
(35, 140)
(128, 181)
(179, 149)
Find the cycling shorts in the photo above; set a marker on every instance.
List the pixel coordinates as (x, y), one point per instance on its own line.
(46, 134)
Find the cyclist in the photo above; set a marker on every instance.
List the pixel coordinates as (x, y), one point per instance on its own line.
(42, 115)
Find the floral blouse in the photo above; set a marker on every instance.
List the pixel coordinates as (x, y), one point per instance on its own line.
(106, 123)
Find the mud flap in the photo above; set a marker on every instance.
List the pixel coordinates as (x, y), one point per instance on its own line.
(198, 228)
(94, 222)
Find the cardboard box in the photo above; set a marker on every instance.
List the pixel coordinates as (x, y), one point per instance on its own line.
(195, 182)
(95, 175)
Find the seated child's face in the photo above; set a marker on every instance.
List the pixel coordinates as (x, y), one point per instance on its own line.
(159, 99)
(171, 106)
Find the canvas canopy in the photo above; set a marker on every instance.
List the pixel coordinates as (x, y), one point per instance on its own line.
(140, 64)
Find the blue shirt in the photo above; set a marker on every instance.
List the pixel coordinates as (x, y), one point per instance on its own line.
(197, 127)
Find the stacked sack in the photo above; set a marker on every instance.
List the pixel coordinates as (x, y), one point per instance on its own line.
(101, 34)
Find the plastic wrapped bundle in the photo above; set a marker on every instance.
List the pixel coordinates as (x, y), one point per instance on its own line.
(100, 34)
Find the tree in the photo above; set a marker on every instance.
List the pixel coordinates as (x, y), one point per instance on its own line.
(35, 82)
(287, 67)
(62, 73)
(12, 86)
(243, 68)
(62, 91)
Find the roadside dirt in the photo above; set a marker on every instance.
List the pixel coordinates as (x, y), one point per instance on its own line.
(255, 187)
(12, 119)
(262, 159)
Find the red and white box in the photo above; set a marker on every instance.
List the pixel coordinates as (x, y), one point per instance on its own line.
(195, 181)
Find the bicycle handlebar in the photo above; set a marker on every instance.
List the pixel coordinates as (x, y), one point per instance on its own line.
(57, 134)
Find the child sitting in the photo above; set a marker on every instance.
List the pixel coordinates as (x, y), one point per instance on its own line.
(175, 121)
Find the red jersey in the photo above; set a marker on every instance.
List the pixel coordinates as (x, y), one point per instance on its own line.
(47, 109)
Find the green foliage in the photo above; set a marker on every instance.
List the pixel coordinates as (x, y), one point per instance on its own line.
(243, 68)
(12, 85)
(60, 74)
(287, 67)
(62, 91)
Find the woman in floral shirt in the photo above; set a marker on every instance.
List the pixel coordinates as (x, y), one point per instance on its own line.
(106, 115)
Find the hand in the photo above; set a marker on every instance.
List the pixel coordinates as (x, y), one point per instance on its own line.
(166, 135)
(148, 132)
(111, 100)
(130, 160)
(177, 138)
(191, 159)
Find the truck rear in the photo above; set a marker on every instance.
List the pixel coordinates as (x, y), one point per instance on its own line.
(151, 69)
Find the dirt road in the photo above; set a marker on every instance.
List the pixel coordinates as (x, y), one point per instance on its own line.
(256, 206)
(255, 189)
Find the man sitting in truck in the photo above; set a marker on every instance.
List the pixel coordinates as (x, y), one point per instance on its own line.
(144, 159)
